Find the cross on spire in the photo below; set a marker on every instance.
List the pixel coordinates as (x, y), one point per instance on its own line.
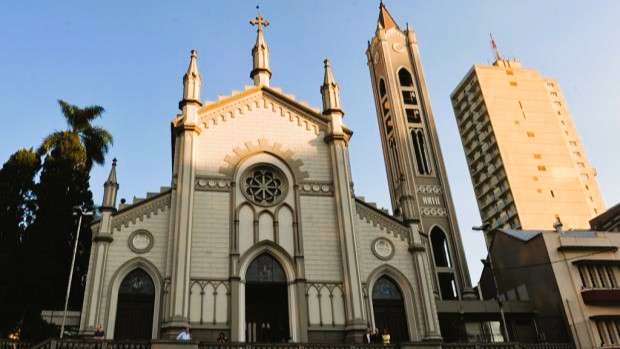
(259, 21)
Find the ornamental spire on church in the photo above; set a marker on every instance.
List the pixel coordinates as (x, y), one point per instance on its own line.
(330, 91)
(192, 81)
(385, 21)
(110, 188)
(260, 53)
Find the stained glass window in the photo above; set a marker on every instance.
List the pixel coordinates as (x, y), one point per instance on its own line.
(265, 269)
(137, 282)
(385, 288)
(264, 185)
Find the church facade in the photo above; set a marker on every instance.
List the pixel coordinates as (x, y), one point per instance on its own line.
(260, 235)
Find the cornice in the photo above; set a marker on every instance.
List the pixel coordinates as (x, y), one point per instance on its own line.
(144, 208)
(381, 219)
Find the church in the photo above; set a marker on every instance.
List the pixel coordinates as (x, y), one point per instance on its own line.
(259, 234)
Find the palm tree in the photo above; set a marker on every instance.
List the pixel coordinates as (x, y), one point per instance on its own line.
(94, 141)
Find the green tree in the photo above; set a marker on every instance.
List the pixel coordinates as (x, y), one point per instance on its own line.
(95, 141)
(67, 158)
(17, 211)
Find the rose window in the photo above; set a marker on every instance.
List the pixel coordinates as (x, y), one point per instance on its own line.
(264, 185)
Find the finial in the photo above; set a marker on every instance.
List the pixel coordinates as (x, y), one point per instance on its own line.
(260, 73)
(259, 21)
(114, 162)
(194, 53)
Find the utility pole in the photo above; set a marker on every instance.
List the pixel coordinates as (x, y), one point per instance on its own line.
(78, 211)
(484, 228)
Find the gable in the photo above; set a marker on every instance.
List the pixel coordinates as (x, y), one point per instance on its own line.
(239, 104)
(262, 119)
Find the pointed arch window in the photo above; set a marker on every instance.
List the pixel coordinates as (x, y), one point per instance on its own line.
(421, 153)
(265, 269)
(441, 251)
(410, 99)
(385, 107)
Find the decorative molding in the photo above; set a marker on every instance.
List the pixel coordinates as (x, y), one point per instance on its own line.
(144, 208)
(434, 211)
(379, 219)
(382, 248)
(316, 188)
(232, 108)
(215, 284)
(210, 183)
(143, 234)
(263, 145)
(429, 189)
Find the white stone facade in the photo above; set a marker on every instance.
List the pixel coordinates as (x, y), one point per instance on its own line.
(258, 172)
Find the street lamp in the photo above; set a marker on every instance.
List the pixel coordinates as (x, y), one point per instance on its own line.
(484, 228)
(81, 212)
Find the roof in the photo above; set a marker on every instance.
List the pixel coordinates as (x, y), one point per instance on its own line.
(606, 218)
(385, 21)
(523, 235)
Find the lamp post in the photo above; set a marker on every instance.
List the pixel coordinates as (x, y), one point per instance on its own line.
(81, 212)
(484, 228)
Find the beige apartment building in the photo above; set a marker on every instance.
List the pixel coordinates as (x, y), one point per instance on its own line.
(527, 163)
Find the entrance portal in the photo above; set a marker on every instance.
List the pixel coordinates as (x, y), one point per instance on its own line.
(389, 309)
(134, 313)
(266, 301)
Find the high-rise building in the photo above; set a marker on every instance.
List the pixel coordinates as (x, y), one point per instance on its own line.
(526, 161)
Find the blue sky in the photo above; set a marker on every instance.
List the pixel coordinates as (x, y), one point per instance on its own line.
(129, 56)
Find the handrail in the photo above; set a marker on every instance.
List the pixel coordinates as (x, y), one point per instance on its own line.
(83, 343)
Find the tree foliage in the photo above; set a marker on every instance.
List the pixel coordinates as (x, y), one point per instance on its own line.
(37, 221)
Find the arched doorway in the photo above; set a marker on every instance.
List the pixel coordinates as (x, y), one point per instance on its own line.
(389, 309)
(134, 312)
(266, 301)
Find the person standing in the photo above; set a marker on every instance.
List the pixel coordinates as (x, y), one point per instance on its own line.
(386, 337)
(368, 336)
(184, 335)
(99, 333)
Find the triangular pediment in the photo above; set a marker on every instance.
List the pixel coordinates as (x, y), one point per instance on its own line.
(261, 97)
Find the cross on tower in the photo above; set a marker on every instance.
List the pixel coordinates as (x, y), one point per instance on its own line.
(259, 21)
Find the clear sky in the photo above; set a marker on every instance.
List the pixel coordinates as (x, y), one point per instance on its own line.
(129, 56)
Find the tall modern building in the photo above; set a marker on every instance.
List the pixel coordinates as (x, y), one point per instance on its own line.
(526, 161)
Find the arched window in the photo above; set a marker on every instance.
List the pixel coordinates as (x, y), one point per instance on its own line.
(405, 78)
(265, 269)
(382, 90)
(389, 309)
(421, 153)
(441, 253)
(385, 288)
(410, 99)
(385, 107)
(440, 248)
(134, 312)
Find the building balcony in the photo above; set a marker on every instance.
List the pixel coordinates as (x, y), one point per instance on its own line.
(601, 296)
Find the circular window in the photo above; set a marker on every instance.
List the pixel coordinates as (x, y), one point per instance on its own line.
(264, 185)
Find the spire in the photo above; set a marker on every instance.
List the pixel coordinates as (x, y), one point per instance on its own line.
(191, 82)
(385, 21)
(110, 189)
(260, 53)
(330, 91)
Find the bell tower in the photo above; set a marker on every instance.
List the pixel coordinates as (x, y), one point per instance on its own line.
(417, 178)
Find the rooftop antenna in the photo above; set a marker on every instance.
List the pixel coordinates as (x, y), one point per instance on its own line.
(498, 56)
